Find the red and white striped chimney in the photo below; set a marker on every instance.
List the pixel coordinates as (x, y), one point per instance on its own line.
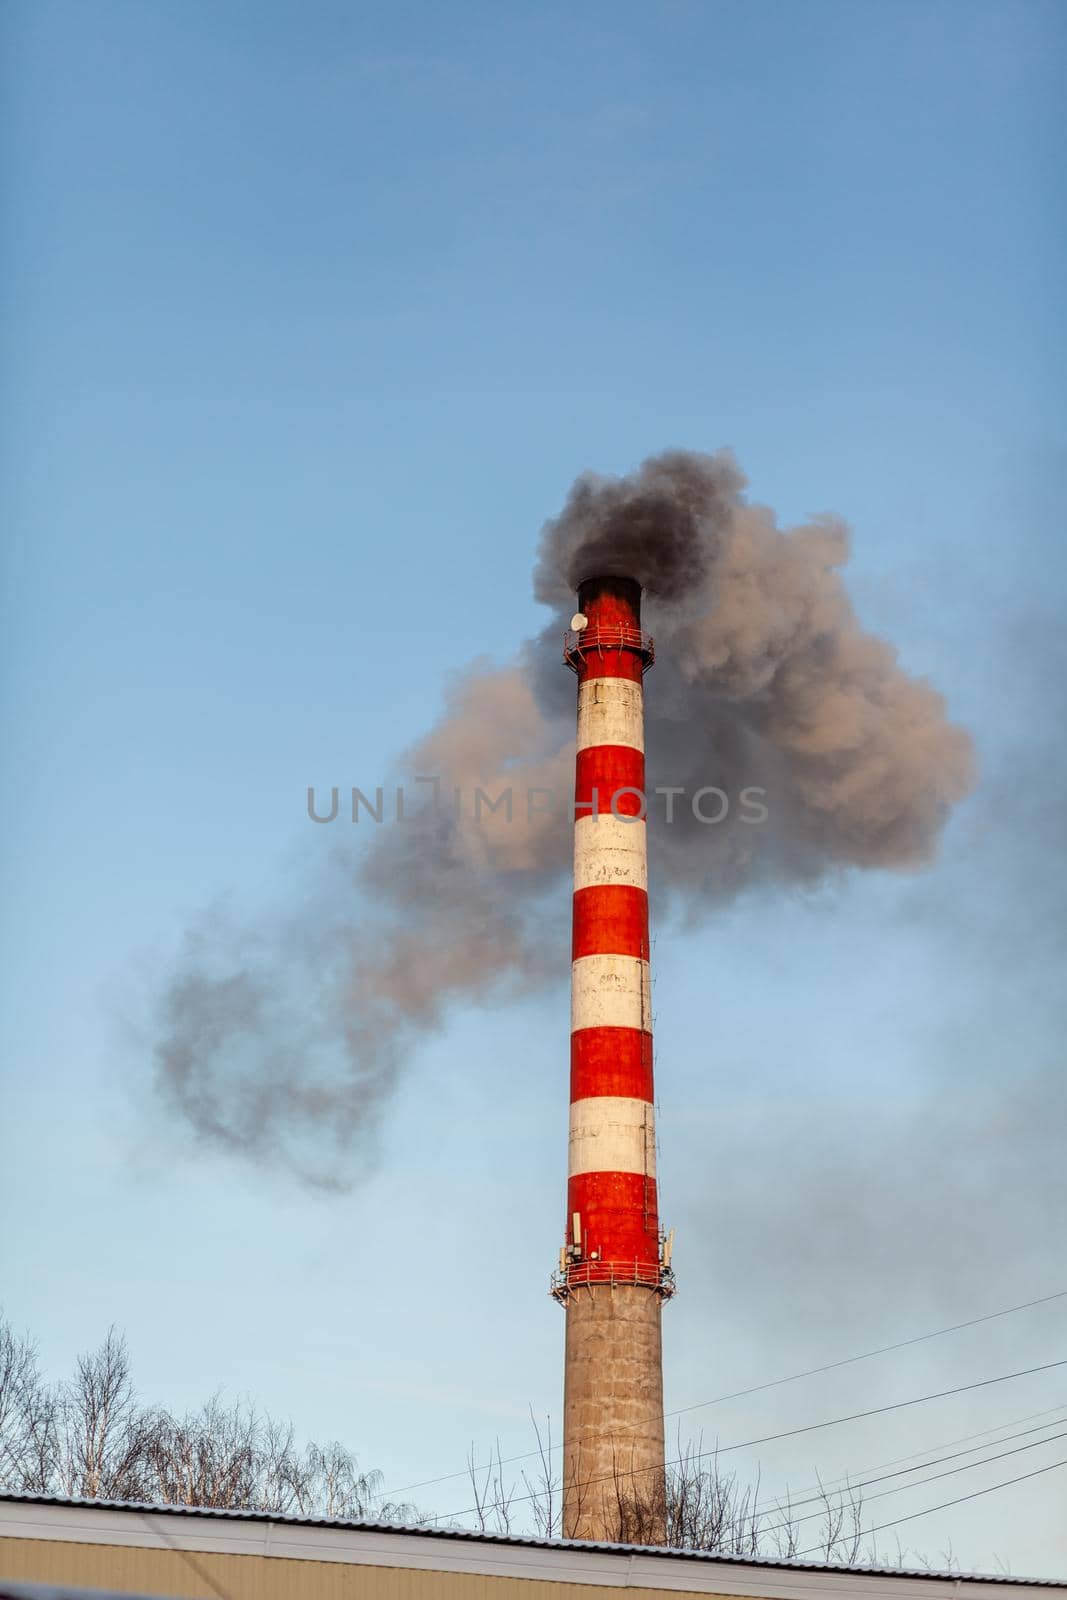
(614, 1269)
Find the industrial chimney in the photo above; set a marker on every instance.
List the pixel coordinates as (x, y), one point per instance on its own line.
(614, 1269)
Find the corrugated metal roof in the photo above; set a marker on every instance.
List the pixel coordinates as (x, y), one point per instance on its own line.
(427, 1530)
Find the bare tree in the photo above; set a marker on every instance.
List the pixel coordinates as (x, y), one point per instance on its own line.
(492, 1501)
(545, 1499)
(103, 1434)
(709, 1508)
(231, 1456)
(334, 1486)
(28, 1440)
(18, 1375)
(207, 1458)
(841, 1530)
(281, 1481)
(91, 1437)
(697, 1506)
(640, 1503)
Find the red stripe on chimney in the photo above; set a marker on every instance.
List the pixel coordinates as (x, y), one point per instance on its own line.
(610, 920)
(611, 1061)
(619, 1216)
(609, 768)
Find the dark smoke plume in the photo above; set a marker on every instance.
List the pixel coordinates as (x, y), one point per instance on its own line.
(284, 1046)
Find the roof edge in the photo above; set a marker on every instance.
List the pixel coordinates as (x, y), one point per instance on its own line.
(516, 1541)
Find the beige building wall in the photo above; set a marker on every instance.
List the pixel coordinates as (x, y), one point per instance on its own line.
(209, 1576)
(199, 1555)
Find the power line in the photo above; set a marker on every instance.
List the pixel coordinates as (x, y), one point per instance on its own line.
(790, 1433)
(863, 1483)
(962, 1439)
(975, 1495)
(919, 1482)
(867, 1355)
(773, 1383)
(848, 1477)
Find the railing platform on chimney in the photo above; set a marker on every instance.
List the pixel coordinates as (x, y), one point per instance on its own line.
(607, 636)
(613, 1275)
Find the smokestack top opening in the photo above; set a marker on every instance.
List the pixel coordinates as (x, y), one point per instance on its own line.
(610, 638)
(611, 598)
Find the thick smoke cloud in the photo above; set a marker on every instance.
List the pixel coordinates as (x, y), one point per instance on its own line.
(664, 526)
(764, 677)
(284, 1046)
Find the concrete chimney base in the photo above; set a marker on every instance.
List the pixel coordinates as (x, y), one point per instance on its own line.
(613, 1476)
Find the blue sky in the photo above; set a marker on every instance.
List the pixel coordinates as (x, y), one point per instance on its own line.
(311, 315)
